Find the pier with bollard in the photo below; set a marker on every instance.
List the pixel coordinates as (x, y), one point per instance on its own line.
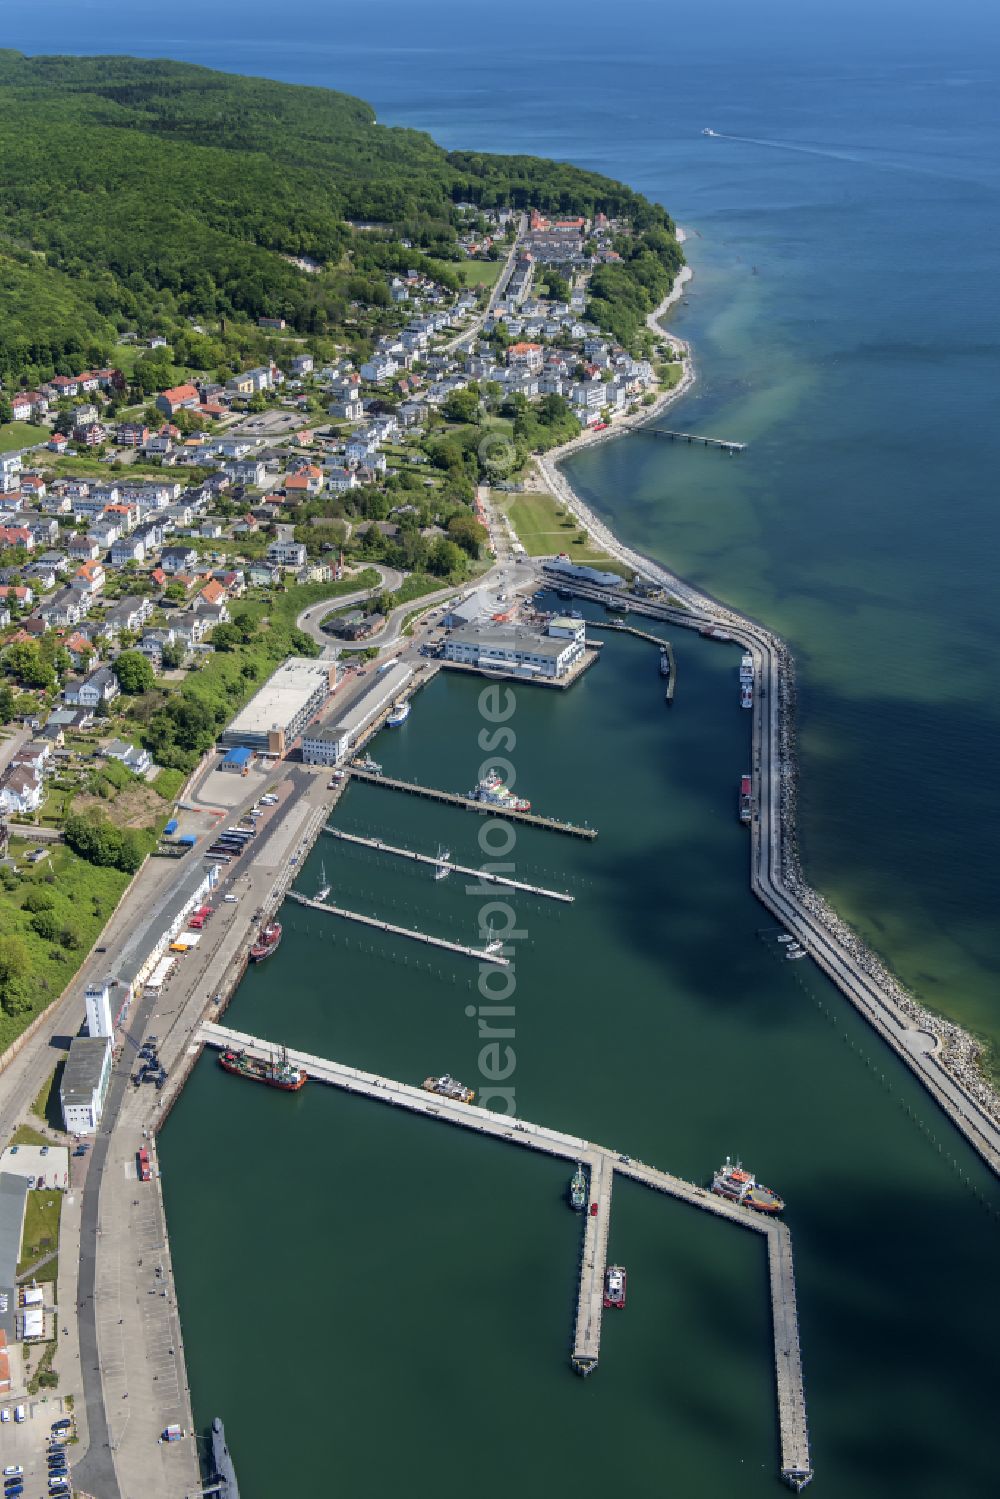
(481, 954)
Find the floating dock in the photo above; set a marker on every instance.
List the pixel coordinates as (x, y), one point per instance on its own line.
(479, 874)
(601, 1163)
(479, 953)
(534, 819)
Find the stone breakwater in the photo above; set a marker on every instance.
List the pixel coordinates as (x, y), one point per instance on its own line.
(953, 1050)
(956, 1051)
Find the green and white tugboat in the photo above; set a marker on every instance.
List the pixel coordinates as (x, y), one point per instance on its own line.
(578, 1188)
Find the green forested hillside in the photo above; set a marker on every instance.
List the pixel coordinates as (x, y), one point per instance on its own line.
(133, 192)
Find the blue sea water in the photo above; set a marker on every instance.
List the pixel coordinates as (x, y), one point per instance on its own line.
(858, 171)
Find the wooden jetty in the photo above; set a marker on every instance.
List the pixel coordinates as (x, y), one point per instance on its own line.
(708, 442)
(601, 1163)
(479, 953)
(479, 874)
(553, 824)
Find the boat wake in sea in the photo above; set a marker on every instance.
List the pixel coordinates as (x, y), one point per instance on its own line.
(859, 155)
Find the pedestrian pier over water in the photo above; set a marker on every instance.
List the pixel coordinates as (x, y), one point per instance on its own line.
(479, 874)
(601, 1163)
(707, 442)
(479, 953)
(485, 809)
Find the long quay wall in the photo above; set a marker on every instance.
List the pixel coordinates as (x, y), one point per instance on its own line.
(601, 1163)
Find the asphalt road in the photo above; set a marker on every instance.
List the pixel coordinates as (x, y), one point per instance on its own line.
(310, 619)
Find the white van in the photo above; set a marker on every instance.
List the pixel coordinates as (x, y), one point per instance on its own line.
(232, 899)
(19, 1413)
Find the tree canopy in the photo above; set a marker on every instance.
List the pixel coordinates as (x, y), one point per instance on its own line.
(145, 194)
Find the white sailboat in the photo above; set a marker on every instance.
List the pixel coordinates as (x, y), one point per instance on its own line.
(494, 944)
(442, 869)
(324, 889)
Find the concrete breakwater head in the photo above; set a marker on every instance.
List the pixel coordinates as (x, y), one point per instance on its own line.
(945, 1058)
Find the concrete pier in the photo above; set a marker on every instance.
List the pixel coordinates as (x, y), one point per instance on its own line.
(593, 1263)
(795, 1465)
(408, 853)
(601, 1163)
(656, 640)
(479, 953)
(553, 824)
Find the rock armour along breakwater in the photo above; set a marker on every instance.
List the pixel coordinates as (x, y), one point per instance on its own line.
(946, 1058)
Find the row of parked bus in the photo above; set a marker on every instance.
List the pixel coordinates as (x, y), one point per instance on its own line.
(234, 841)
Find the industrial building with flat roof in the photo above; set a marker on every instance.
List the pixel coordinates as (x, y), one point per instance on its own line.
(84, 1083)
(515, 650)
(331, 743)
(13, 1197)
(276, 715)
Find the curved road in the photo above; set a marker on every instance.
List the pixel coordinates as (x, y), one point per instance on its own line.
(310, 619)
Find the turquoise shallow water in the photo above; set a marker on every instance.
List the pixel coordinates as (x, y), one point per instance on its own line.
(385, 1278)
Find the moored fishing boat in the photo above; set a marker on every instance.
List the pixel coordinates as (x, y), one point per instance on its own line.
(448, 1087)
(276, 1071)
(578, 1188)
(494, 793)
(615, 1286)
(734, 1182)
(268, 939)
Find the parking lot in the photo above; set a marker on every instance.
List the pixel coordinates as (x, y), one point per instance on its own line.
(26, 1444)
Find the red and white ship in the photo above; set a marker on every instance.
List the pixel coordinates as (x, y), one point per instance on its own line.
(267, 942)
(737, 1184)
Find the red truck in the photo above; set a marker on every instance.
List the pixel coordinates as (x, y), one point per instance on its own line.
(145, 1170)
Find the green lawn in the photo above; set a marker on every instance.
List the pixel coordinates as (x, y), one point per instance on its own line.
(41, 1232)
(544, 527)
(14, 435)
(168, 783)
(25, 1135)
(480, 272)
